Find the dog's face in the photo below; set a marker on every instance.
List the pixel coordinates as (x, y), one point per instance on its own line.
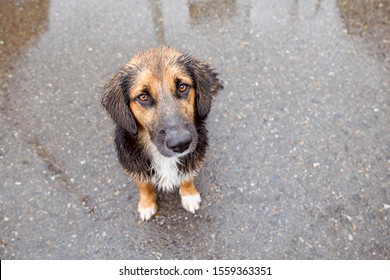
(160, 94)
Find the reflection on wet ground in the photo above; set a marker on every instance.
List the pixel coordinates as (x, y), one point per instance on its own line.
(370, 20)
(21, 24)
(205, 12)
(22, 21)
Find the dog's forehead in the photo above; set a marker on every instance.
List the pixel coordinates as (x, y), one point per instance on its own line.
(157, 71)
(159, 65)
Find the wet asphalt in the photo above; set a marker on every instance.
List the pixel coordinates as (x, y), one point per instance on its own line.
(299, 159)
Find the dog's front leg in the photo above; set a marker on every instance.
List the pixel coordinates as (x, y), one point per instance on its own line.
(147, 205)
(190, 197)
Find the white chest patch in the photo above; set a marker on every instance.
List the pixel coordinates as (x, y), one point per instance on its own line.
(166, 173)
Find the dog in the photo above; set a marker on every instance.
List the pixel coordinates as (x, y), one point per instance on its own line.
(159, 101)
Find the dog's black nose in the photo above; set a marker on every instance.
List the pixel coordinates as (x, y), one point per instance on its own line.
(178, 141)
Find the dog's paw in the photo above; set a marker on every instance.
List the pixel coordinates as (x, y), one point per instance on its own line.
(191, 202)
(147, 212)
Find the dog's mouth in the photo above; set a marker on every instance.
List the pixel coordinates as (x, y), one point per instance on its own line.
(176, 141)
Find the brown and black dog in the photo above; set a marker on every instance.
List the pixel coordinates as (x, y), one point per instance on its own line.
(159, 101)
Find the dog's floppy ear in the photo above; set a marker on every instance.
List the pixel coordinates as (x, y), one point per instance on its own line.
(206, 84)
(116, 100)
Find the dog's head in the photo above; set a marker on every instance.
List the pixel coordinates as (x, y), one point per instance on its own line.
(162, 93)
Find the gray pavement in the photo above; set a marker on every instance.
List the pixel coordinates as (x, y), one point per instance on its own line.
(299, 158)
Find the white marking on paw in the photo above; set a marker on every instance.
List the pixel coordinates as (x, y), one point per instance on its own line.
(146, 213)
(191, 202)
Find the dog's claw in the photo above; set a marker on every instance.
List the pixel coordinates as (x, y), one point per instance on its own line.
(191, 202)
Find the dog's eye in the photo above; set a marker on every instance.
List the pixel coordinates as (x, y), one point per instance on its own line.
(183, 88)
(145, 100)
(143, 97)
